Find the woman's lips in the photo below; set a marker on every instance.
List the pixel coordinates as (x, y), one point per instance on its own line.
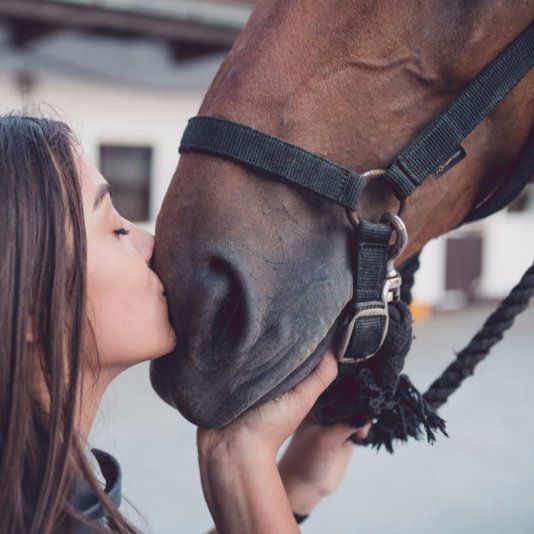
(159, 283)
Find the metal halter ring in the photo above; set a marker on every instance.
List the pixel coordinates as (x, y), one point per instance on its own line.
(373, 173)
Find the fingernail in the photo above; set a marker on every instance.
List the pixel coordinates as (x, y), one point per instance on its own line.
(364, 431)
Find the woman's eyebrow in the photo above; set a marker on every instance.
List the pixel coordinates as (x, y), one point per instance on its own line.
(101, 192)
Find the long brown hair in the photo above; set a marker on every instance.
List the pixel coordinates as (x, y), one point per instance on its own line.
(42, 321)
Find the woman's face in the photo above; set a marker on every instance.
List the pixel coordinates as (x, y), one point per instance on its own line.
(126, 303)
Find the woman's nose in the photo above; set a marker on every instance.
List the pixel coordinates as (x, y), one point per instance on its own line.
(143, 241)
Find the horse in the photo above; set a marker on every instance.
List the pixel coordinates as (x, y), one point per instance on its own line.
(257, 272)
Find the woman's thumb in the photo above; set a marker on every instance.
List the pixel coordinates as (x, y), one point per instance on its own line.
(308, 391)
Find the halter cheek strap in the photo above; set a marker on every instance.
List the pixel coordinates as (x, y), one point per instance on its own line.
(440, 140)
(436, 150)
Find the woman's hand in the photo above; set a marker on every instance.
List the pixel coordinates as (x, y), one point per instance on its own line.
(240, 479)
(266, 427)
(315, 462)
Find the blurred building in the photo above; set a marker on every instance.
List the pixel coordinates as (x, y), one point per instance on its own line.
(127, 74)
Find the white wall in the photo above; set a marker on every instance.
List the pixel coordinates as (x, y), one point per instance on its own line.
(429, 285)
(507, 252)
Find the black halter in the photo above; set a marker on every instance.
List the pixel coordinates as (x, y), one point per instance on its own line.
(435, 151)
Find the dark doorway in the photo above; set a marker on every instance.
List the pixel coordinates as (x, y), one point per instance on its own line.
(463, 264)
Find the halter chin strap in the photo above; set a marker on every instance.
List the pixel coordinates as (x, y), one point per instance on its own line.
(435, 151)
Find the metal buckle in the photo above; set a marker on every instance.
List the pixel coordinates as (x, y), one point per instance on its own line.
(381, 311)
(390, 292)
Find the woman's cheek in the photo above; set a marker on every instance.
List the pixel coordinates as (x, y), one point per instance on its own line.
(132, 319)
(109, 290)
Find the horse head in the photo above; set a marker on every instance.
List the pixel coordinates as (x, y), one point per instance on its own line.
(256, 271)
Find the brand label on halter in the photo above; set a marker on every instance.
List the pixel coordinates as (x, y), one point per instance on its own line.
(457, 156)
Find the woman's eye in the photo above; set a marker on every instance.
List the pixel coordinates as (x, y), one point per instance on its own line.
(122, 231)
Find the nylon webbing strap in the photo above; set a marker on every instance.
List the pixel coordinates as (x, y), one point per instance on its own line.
(370, 264)
(263, 152)
(440, 139)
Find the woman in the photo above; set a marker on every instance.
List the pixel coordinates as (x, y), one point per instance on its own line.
(80, 305)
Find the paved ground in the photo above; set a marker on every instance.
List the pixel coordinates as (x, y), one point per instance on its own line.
(481, 480)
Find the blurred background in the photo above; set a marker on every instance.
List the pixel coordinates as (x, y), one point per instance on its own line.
(126, 75)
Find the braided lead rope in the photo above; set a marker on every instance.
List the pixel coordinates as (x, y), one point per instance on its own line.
(480, 345)
(408, 271)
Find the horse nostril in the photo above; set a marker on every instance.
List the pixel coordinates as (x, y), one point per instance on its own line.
(226, 312)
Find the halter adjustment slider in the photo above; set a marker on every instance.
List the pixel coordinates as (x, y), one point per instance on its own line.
(364, 311)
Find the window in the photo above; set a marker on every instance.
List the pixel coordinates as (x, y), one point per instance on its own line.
(128, 170)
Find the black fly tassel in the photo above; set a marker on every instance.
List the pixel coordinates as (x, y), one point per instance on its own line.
(409, 416)
(376, 390)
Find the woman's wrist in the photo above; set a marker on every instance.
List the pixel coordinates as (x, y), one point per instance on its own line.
(229, 471)
(243, 489)
(216, 447)
(302, 497)
(222, 458)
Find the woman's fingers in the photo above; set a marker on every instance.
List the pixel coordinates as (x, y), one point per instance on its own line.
(339, 433)
(336, 435)
(305, 393)
(363, 431)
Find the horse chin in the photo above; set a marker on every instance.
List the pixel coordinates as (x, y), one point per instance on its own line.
(307, 365)
(215, 398)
